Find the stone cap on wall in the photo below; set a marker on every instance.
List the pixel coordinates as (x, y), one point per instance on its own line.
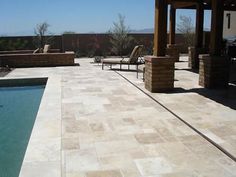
(156, 59)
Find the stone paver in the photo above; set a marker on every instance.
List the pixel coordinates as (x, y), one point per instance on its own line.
(110, 128)
(212, 112)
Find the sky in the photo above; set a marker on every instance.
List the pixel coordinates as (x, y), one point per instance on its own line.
(20, 17)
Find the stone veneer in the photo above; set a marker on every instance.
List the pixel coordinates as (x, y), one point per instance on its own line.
(173, 51)
(159, 73)
(37, 60)
(193, 61)
(213, 71)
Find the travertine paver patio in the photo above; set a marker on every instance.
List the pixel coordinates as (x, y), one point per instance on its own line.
(212, 112)
(112, 129)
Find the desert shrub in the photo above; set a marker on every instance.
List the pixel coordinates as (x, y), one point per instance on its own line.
(119, 38)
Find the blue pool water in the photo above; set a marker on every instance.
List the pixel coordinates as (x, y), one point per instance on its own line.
(18, 110)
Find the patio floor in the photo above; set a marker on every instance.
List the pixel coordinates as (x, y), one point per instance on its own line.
(112, 128)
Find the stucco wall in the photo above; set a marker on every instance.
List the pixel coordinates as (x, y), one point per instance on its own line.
(232, 30)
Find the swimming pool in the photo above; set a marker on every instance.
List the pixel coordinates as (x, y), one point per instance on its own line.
(18, 109)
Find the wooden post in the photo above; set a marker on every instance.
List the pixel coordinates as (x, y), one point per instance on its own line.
(160, 33)
(216, 27)
(172, 25)
(199, 25)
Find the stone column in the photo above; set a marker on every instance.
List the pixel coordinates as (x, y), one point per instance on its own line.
(159, 73)
(193, 60)
(214, 71)
(173, 51)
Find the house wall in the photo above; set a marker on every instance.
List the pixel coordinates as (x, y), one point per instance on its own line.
(232, 30)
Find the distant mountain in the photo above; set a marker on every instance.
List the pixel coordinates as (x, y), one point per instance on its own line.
(151, 30)
(19, 33)
(147, 30)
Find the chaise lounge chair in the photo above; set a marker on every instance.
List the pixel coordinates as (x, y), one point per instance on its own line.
(134, 59)
(44, 50)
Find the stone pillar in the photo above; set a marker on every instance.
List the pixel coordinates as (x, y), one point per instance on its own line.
(193, 60)
(159, 73)
(214, 71)
(173, 51)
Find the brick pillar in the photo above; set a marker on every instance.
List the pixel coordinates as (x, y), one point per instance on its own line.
(173, 51)
(213, 71)
(193, 60)
(159, 73)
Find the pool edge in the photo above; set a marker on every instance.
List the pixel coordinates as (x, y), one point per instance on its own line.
(43, 153)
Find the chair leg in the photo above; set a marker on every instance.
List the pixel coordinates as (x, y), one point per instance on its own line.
(120, 66)
(102, 66)
(144, 74)
(128, 67)
(137, 70)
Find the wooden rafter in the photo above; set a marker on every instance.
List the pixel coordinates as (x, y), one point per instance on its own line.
(191, 4)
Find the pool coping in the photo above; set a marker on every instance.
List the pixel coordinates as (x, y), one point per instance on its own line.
(17, 82)
(43, 153)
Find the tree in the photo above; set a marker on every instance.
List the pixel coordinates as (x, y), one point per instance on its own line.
(185, 26)
(41, 31)
(120, 39)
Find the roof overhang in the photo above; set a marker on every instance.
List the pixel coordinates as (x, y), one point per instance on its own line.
(191, 4)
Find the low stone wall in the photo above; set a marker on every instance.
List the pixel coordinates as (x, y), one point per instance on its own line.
(159, 73)
(37, 60)
(27, 51)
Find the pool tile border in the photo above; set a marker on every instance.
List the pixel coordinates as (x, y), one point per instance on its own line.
(43, 154)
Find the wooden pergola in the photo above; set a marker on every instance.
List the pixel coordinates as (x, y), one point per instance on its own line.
(217, 7)
(213, 67)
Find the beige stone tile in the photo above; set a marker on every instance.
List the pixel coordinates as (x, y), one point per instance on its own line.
(43, 150)
(46, 128)
(70, 143)
(46, 169)
(76, 174)
(148, 138)
(110, 173)
(154, 150)
(96, 127)
(124, 162)
(81, 160)
(227, 163)
(153, 166)
(115, 147)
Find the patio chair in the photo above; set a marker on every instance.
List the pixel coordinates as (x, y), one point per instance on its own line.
(134, 59)
(46, 48)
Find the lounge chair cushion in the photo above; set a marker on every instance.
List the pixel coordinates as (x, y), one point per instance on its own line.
(115, 60)
(36, 51)
(46, 48)
(135, 54)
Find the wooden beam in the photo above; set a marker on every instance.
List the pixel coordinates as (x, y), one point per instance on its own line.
(172, 25)
(199, 25)
(191, 4)
(160, 31)
(216, 27)
(180, 5)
